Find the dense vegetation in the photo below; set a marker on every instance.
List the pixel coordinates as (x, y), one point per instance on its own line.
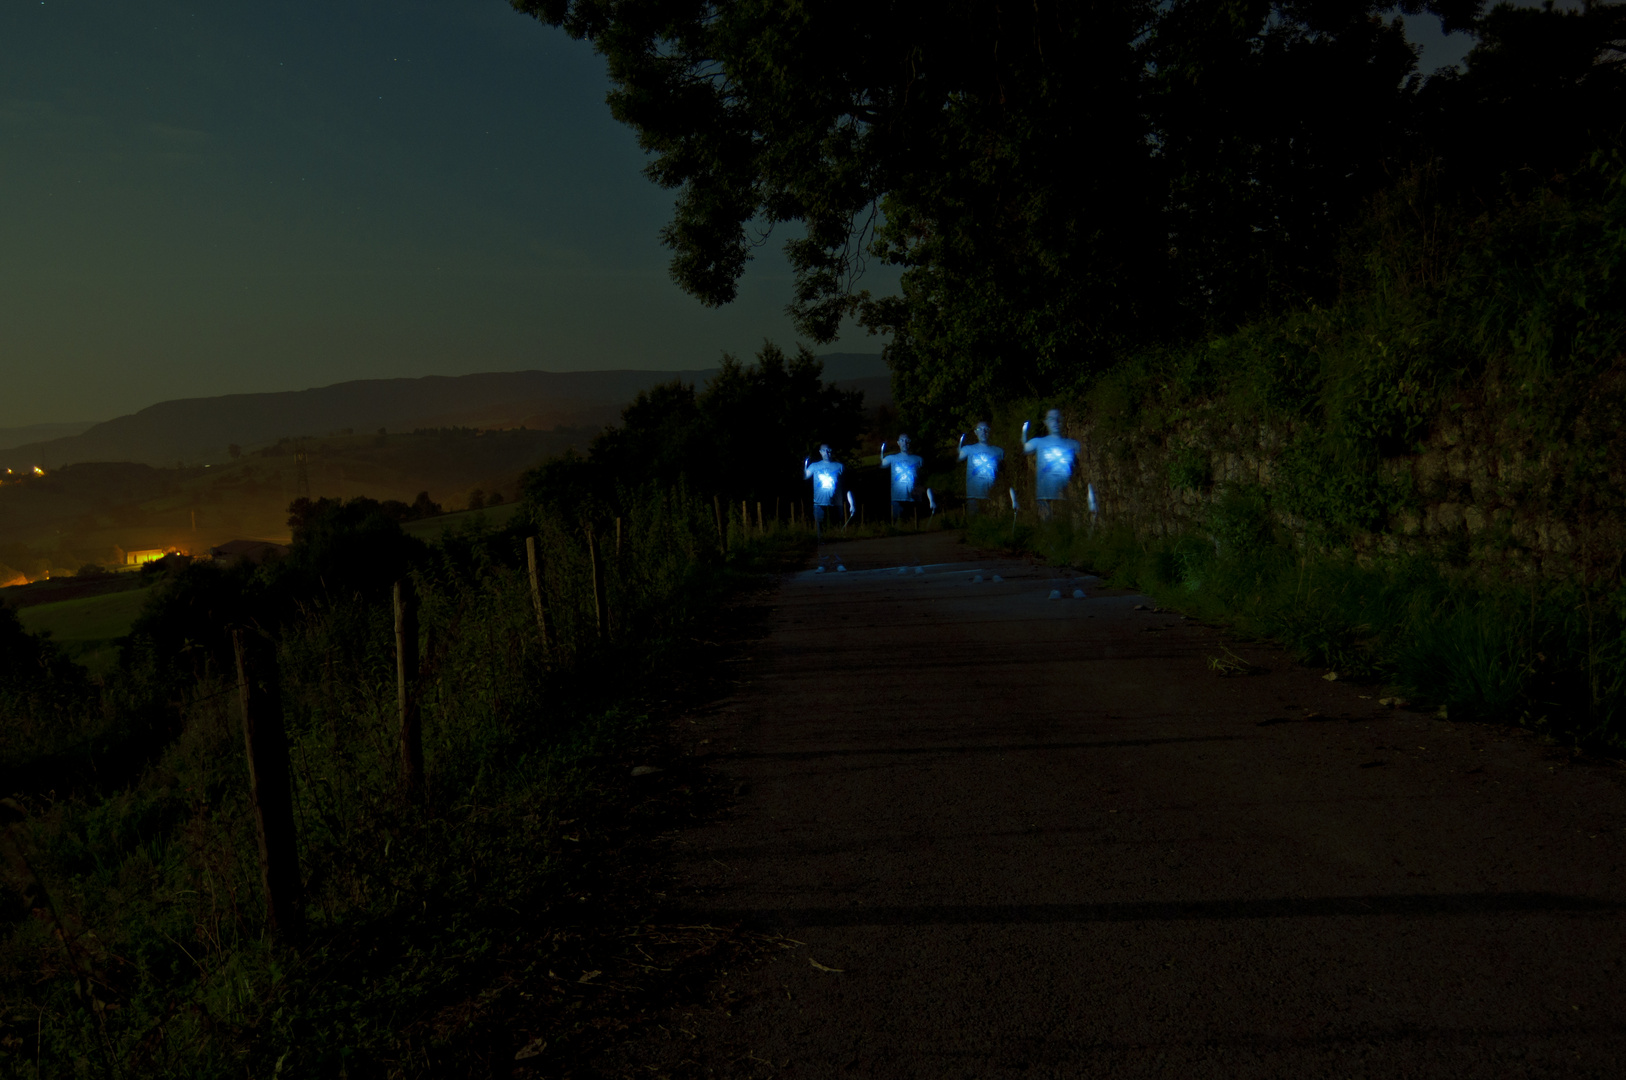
(1063, 183)
(1514, 321)
(134, 937)
(740, 437)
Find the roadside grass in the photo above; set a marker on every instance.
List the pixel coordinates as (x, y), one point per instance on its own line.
(132, 938)
(1547, 657)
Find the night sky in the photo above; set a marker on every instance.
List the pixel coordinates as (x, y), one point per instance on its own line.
(200, 199)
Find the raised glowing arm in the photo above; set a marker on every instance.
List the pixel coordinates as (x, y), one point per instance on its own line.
(1027, 443)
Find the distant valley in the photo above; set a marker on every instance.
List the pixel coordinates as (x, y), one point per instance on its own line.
(199, 431)
(194, 473)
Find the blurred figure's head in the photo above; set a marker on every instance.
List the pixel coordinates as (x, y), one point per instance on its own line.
(983, 431)
(824, 451)
(903, 443)
(1052, 421)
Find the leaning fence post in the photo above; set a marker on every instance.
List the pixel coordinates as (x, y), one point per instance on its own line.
(406, 687)
(598, 583)
(535, 566)
(269, 782)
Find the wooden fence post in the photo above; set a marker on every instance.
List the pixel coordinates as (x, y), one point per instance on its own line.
(745, 521)
(535, 564)
(762, 530)
(269, 782)
(406, 687)
(722, 533)
(599, 613)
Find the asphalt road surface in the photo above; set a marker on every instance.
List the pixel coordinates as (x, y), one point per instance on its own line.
(1024, 837)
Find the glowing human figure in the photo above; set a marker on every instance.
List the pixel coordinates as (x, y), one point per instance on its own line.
(904, 468)
(1055, 457)
(826, 477)
(982, 461)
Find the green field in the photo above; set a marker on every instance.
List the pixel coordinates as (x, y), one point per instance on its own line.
(433, 528)
(87, 628)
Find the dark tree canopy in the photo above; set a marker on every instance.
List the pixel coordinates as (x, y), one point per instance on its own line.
(1059, 180)
(742, 436)
(1542, 89)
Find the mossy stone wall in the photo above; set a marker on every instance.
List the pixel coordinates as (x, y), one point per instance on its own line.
(1481, 489)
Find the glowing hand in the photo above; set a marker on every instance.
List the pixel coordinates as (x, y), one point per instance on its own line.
(1025, 426)
(962, 438)
(883, 449)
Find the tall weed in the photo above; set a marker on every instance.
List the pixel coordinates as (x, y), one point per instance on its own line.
(135, 943)
(1551, 657)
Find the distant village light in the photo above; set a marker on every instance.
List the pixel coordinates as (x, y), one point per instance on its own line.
(37, 471)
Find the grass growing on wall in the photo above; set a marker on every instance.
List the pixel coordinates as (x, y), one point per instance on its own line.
(1514, 316)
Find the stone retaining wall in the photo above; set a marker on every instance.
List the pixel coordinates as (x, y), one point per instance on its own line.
(1478, 491)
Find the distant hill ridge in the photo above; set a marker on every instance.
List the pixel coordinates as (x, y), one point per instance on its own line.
(198, 430)
(37, 433)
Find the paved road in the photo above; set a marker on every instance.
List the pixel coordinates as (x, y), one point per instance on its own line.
(1040, 839)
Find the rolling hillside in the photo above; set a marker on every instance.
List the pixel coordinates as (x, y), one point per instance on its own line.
(197, 431)
(148, 490)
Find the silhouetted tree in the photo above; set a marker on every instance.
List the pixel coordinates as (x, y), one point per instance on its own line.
(743, 436)
(1062, 182)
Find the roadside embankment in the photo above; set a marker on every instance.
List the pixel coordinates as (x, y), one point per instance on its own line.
(1424, 482)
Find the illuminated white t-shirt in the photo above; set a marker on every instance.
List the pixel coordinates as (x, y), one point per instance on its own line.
(904, 467)
(1055, 457)
(981, 466)
(826, 477)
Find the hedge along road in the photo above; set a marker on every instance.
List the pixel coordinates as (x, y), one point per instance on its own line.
(1041, 838)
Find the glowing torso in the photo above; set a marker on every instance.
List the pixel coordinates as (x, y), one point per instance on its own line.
(905, 468)
(826, 477)
(981, 466)
(1055, 457)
